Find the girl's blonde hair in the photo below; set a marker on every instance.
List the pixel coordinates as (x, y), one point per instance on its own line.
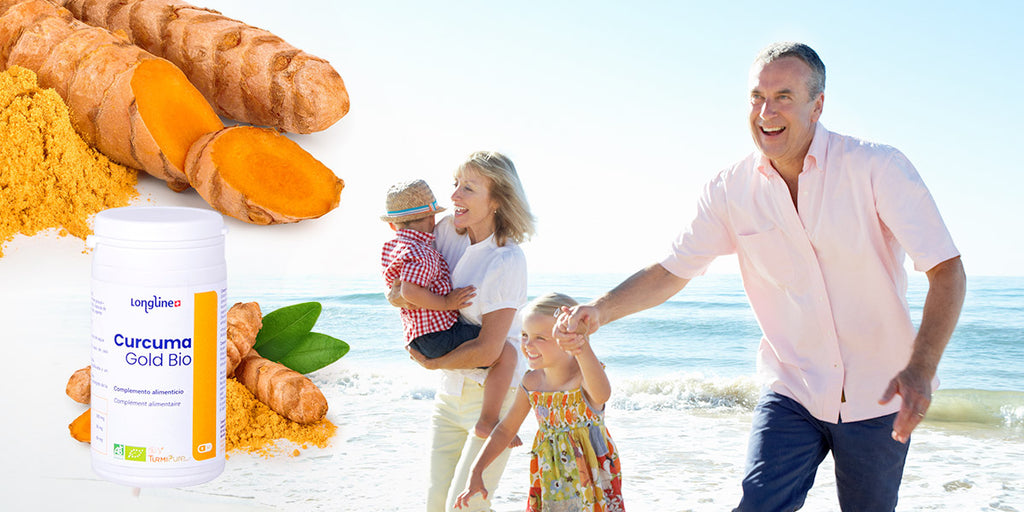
(548, 304)
(512, 220)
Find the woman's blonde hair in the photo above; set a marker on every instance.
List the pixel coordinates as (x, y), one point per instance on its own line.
(512, 220)
(549, 304)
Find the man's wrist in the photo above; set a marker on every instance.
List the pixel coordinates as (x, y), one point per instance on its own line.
(922, 367)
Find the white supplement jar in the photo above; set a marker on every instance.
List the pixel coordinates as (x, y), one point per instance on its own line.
(159, 283)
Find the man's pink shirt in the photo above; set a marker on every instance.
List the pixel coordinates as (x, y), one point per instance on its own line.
(825, 280)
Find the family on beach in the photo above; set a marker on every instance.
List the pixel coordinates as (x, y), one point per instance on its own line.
(821, 224)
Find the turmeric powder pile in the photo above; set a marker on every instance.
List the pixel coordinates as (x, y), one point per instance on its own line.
(252, 427)
(49, 176)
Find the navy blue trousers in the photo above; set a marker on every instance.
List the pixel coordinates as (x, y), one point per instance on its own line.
(787, 444)
(437, 344)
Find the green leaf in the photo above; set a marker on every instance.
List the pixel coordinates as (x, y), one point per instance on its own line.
(315, 351)
(284, 328)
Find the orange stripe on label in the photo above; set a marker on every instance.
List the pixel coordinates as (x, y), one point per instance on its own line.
(204, 377)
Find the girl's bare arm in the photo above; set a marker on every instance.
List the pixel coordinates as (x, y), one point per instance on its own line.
(595, 380)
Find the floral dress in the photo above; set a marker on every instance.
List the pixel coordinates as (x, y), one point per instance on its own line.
(575, 466)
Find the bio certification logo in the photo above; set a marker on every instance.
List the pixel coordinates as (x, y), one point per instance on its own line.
(135, 453)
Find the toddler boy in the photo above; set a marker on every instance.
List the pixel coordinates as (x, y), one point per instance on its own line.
(433, 327)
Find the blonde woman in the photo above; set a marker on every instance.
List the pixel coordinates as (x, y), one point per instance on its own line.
(480, 241)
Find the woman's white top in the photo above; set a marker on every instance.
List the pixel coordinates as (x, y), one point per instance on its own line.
(499, 275)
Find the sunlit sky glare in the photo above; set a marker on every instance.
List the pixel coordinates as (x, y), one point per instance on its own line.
(616, 113)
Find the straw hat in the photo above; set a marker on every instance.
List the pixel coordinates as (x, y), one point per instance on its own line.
(409, 201)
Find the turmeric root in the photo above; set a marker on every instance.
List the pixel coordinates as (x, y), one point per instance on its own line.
(246, 73)
(81, 426)
(244, 322)
(286, 391)
(139, 110)
(80, 385)
(260, 176)
(78, 389)
(252, 427)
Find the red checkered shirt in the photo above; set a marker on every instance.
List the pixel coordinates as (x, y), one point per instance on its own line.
(410, 258)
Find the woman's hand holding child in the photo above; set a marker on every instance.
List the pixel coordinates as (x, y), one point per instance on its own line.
(459, 298)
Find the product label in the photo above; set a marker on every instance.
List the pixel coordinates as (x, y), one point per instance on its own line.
(158, 377)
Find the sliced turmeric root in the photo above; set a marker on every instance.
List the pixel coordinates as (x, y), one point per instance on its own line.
(81, 427)
(259, 176)
(139, 110)
(174, 112)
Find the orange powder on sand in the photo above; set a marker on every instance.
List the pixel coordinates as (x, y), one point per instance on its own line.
(254, 428)
(49, 176)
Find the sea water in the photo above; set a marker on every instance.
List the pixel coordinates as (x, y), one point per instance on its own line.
(683, 391)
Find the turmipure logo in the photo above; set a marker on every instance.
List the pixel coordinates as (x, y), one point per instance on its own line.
(155, 302)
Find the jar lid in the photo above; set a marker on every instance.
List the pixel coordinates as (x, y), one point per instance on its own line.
(158, 224)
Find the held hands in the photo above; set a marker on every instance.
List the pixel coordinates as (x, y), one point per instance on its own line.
(915, 388)
(476, 486)
(574, 326)
(459, 298)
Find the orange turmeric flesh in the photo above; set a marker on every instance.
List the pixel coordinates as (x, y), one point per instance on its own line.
(81, 427)
(174, 125)
(274, 172)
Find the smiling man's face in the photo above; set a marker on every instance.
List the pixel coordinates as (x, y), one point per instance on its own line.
(782, 112)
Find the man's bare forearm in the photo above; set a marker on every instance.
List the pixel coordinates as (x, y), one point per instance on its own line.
(645, 289)
(947, 286)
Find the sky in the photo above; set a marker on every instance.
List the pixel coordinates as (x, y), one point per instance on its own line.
(615, 115)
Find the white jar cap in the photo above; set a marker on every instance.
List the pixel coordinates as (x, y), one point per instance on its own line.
(158, 224)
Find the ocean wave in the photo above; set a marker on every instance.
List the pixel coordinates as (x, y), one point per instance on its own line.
(360, 298)
(388, 383)
(367, 297)
(995, 408)
(1003, 409)
(682, 391)
(676, 392)
(687, 392)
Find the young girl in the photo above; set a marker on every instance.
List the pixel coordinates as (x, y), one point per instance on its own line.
(575, 465)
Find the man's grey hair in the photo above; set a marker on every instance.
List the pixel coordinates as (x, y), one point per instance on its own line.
(775, 51)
